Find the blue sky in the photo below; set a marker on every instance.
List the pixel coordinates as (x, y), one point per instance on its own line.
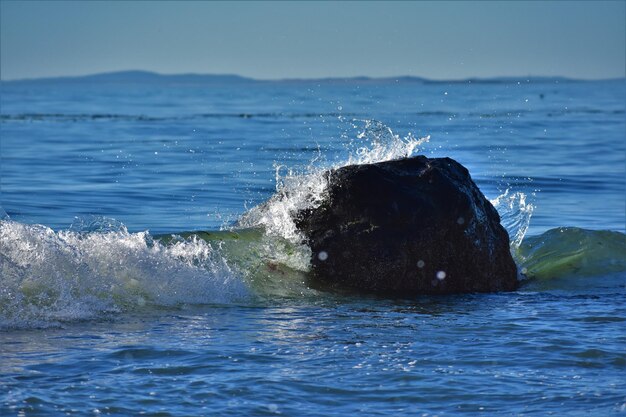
(440, 40)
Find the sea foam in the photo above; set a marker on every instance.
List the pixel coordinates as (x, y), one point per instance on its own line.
(48, 277)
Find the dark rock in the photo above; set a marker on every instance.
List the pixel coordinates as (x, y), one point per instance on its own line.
(407, 227)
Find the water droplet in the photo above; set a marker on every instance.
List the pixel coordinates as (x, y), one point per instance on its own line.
(322, 256)
(441, 275)
(420, 264)
(460, 220)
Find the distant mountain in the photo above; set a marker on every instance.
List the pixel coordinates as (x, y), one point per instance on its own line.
(147, 77)
(360, 80)
(139, 77)
(507, 80)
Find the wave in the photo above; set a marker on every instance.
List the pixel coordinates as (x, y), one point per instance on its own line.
(97, 269)
(558, 257)
(50, 277)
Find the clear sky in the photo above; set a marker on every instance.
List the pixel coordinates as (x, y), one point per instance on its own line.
(440, 40)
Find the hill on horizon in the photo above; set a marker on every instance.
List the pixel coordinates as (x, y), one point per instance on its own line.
(149, 77)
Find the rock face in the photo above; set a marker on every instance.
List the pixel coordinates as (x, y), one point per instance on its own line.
(407, 227)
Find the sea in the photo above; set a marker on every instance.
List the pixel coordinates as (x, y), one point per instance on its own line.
(149, 263)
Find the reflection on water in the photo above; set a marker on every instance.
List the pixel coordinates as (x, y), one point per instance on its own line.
(331, 357)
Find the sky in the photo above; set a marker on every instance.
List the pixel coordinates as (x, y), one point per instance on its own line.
(273, 40)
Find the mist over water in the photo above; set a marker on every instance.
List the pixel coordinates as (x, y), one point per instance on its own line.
(147, 238)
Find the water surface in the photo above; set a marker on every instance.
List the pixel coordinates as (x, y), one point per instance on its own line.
(100, 314)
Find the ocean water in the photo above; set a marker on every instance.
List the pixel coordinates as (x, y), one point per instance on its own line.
(140, 275)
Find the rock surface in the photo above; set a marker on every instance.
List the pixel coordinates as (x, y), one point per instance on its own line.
(407, 227)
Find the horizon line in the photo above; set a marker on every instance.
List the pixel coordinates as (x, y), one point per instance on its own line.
(234, 76)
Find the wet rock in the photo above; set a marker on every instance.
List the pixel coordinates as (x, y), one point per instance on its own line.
(407, 227)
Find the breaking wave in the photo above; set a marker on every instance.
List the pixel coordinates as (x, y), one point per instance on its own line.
(51, 277)
(97, 269)
(565, 257)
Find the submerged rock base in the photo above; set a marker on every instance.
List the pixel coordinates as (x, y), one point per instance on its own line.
(406, 227)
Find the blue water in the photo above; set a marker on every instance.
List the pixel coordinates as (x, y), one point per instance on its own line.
(99, 316)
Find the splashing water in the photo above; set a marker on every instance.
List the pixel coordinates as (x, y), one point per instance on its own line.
(297, 191)
(98, 268)
(385, 144)
(3, 214)
(515, 214)
(50, 277)
(376, 142)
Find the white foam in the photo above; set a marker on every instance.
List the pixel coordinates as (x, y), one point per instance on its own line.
(47, 277)
(297, 191)
(515, 213)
